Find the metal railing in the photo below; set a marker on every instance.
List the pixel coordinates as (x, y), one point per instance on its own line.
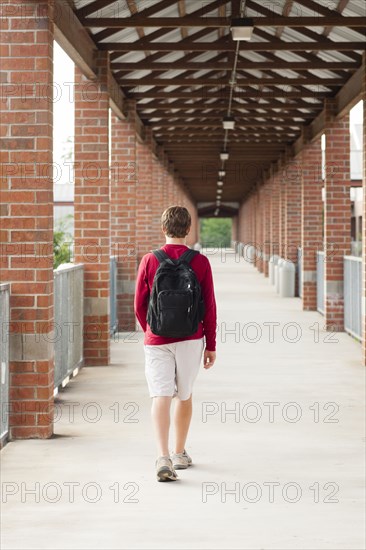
(320, 281)
(298, 270)
(113, 295)
(4, 360)
(352, 295)
(69, 320)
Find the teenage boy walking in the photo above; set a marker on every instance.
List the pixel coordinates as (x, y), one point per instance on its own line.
(172, 364)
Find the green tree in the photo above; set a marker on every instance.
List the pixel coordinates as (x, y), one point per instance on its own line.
(215, 232)
(62, 242)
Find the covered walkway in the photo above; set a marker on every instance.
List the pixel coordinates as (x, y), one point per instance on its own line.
(310, 452)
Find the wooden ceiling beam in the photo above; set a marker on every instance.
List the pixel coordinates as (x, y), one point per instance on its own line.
(241, 82)
(255, 94)
(189, 21)
(223, 66)
(176, 117)
(226, 46)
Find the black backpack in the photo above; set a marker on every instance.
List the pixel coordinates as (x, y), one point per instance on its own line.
(176, 305)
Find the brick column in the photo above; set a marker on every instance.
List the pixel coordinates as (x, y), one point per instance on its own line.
(267, 189)
(92, 208)
(363, 287)
(156, 210)
(292, 240)
(123, 214)
(292, 174)
(144, 236)
(275, 214)
(337, 213)
(282, 212)
(27, 214)
(311, 220)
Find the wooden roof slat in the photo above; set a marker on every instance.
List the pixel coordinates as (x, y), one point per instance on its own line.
(226, 46)
(190, 21)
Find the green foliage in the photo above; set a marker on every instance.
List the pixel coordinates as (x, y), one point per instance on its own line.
(62, 241)
(215, 232)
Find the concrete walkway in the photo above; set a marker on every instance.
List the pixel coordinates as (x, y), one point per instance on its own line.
(278, 432)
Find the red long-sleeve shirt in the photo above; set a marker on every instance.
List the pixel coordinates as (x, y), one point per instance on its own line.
(144, 281)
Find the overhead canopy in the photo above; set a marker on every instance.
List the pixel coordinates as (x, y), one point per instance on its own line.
(176, 59)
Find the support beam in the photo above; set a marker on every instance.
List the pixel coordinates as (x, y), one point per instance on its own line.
(74, 39)
(242, 65)
(190, 46)
(220, 22)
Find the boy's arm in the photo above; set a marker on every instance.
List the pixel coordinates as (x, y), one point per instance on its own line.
(142, 293)
(209, 319)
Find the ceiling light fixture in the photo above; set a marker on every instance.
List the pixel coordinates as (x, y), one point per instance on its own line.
(220, 183)
(222, 173)
(242, 28)
(228, 123)
(224, 155)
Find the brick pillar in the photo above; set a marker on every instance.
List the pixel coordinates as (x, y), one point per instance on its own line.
(363, 287)
(27, 214)
(144, 238)
(92, 208)
(267, 189)
(337, 213)
(282, 212)
(156, 209)
(123, 214)
(311, 220)
(253, 231)
(292, 240)
(275, 214)
(171, 184)
(259, 225)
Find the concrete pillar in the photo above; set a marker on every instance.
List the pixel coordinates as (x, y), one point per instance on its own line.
(92, 208)
(311, 220)
(337, 213)
(123, 214)
(27, 215)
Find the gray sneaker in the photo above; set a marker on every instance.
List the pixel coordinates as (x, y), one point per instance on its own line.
(164, 469)
(181, 461)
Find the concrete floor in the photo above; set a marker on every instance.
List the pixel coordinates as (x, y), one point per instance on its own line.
(104, 444)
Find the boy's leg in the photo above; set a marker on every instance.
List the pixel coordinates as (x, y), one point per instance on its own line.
(182, 420)
(160, 413)
(160, 376)
(189, 360)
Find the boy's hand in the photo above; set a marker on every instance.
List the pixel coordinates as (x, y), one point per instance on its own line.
(209, 358)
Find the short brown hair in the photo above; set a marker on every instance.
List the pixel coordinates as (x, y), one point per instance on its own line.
(176, 220)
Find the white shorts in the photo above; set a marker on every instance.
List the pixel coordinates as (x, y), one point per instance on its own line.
(171, 369)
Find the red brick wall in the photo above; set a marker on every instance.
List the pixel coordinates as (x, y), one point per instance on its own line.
(311, 219)
(123, 216)
(275, 214)
(27, 213)
(92, 208)
(266, 217)
(363, 313)
(144, 237)
(337, 214)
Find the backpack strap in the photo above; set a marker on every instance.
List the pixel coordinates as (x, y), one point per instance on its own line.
(161, 255)
(188, 255)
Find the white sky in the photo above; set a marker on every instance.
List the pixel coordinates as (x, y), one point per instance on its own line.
(63, 110)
